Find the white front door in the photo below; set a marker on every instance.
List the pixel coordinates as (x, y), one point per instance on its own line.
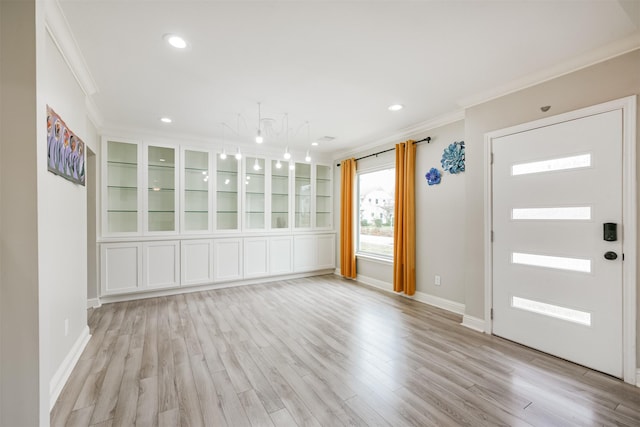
(557, 281)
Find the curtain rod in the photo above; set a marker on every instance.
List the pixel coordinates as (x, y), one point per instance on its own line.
(427, 139)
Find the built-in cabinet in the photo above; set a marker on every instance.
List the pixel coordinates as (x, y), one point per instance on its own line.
(177, 216)
(130, 267)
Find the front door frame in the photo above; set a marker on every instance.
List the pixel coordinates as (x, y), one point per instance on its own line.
(629, 216)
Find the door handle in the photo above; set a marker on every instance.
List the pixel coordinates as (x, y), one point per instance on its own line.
(610, 255)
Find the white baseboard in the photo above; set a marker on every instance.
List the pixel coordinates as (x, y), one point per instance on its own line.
(473, 323)
(452, 306)
(64, 370)
(93, 303)
(378, 284)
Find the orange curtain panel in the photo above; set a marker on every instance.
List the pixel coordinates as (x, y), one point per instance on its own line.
(347, 250)
(404, 229)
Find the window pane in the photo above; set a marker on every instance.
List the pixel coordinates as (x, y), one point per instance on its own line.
(376, 194)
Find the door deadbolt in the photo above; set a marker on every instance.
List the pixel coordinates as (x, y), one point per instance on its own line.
(610, 255)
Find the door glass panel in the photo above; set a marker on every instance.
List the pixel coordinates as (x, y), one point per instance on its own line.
(560, 263)
(161, 191)
(562, 163)
(279, 195)
(227, 193)
(303, 195)
(122, 187)
(551, 310)
(254, 193)
(573, 213)
(196, 190)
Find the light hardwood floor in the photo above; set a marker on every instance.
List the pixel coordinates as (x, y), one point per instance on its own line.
(320, 351)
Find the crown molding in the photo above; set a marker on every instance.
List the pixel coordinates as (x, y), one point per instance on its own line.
(612, 50)
(410, 132)
(58, 27)
(93, 113)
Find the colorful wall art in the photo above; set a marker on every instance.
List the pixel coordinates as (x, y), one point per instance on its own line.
(65, 151)
(433, 176)
(453, 158)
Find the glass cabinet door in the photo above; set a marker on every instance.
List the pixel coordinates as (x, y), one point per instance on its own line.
(121, 188)
(227, 193)
(303, 195)
(161, 192)
(254, 185)
(323, 196)
(196, 191)
(279, 195)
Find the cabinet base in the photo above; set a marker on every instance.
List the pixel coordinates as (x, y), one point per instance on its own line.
(207, 287)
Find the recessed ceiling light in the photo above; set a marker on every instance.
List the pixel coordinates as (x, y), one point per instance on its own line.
(396, 107)
(314, 143)
(166, 120)
(175, 41)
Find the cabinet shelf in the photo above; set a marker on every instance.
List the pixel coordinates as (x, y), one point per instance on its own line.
(161, 189)
(195, 211)
(255, 212)
(323, 196)
(122, 210)
(150, 211)
(255, 192)
(196, 169)
(113, 162)
(323, 179)
(122, 187)
(229, 172)
(279, 194)
(188, 190)
(169, 166)
(226, 192)
(227, 212)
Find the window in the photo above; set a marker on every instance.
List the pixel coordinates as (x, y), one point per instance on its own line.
(375, 224)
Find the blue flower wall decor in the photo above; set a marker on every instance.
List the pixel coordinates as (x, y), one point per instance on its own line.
(453, 158)
(433, 176)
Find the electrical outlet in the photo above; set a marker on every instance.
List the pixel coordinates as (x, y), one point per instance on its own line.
(437, 281)
(66, 327)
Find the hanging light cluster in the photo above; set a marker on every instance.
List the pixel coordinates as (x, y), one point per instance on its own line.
(260, 138)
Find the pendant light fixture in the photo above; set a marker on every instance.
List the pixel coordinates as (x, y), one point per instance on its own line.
(238, 154)
(223, 155)
(278, 164)
(307, 158)
(259, 138)
(256, 165)
(287, 154)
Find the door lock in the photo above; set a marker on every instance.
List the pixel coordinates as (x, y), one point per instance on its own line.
(610, 255)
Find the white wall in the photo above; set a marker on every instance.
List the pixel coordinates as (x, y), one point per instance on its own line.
(23, 399)
(440, 212)
(440, 219)
(62, 215)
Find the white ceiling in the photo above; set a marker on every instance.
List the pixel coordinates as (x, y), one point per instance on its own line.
(335, 64)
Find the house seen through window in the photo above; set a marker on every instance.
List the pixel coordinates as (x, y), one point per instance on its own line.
(376, 195)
